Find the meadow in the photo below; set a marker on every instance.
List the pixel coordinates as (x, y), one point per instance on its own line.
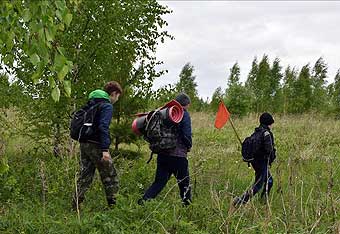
(35, 194)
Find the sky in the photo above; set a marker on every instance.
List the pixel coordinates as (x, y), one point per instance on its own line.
(213, 35)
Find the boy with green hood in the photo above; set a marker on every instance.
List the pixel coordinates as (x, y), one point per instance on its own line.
(94, 151)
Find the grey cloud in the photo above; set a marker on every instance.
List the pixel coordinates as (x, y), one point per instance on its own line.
(214, 35)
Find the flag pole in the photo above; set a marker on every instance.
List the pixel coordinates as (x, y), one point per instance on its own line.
(223, 116)
(232, 124)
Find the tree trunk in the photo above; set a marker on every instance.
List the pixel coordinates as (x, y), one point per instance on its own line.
(57, 141)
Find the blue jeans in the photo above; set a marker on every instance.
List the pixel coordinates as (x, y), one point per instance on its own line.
(263, 178)
(166, 166)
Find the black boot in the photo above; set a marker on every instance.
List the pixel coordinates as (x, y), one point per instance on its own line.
(186, 202)
(238, 201)
(111, 202)
(141, 201)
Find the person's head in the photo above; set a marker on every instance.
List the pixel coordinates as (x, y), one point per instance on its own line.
(266, 119)
(184, 100)
(114, 89)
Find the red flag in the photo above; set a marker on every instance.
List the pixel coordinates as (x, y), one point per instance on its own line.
(222, 116)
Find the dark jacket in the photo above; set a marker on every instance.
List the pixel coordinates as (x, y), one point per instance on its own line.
(267, 149)
(184, 139)
(102, 119)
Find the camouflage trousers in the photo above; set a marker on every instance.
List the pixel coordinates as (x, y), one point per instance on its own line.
(90, 159)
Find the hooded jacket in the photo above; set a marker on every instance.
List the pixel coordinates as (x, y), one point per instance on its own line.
(267, 150)
(102, 119)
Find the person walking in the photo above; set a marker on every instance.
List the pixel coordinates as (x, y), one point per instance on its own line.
(263, 159)
(174, 161)
(94, 151)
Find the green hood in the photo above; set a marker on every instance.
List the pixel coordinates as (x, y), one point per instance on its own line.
(99, 94)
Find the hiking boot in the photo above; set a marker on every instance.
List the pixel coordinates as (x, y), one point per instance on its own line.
(186, 202)
(111, 202)
(238, 202)
(141, 201)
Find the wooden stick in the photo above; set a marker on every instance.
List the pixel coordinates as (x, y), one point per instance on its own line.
(232, 124)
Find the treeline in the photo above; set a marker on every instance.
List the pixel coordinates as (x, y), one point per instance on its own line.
(57, 52)
(270, 87)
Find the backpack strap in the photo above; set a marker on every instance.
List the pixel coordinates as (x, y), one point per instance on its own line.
(147, 127)
(151, 117)
(96, 106)
(267, 133)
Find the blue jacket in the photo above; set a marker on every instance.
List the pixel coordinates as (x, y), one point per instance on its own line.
(102, 119)
(184, 139)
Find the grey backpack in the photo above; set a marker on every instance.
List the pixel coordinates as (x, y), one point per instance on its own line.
(160, 133)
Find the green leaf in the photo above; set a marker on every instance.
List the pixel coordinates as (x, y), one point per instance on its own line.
(27, 38)
(49, 35)
(59, 62)
(26, 15)
(63, 73)
(67, 87)
(59, 15)
(44, 54)
(41, 34)
(34, 58)
(45, 19)
(61, 50)
(60, 4)
(3, 167)
(55, 94)
(35, 77)
(52, 82)
(48, 44)
(43, 7)
(68, 19)
(69, 64)
(10, 43)
(61, 27)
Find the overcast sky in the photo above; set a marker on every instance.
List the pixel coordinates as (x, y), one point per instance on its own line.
(213, 35)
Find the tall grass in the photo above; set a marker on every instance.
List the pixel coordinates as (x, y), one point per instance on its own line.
(36, 193)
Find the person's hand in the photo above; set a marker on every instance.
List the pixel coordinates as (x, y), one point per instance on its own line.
(106, 156)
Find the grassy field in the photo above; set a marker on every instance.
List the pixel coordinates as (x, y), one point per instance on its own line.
(35, 194)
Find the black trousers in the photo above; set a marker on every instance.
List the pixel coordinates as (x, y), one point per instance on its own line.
(166, 166)
(263, 180)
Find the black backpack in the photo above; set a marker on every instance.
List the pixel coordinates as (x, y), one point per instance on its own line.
(160, 133)
(82, 125)
(251, 146)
